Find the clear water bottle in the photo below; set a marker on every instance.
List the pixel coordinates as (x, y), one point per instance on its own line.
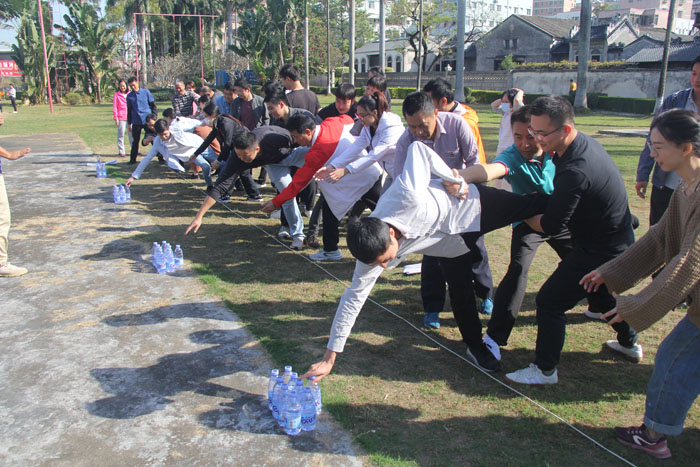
(103, 170)
(292, 412)
(127, 190)
(277, 398)
(154, 252)
(274, 374)
(282, 400)
(179, 258)
(308, 409)
(169, 258)
(98, 167)
(316, 391)
(122, 194)
(287, 373)
(159, 260)
(115, 194)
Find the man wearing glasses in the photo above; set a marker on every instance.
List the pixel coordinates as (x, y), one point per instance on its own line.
(589, 198)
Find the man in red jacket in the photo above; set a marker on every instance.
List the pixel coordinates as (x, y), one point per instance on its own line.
(322, 140)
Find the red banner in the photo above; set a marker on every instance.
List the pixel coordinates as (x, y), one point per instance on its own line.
(9, 68)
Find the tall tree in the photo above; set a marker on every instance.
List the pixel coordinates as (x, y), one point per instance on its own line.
(584, 52)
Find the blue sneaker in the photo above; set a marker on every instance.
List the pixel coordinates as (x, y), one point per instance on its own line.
(431, 320)
(487, 306)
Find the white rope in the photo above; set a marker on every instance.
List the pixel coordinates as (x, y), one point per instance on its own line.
(427, 336)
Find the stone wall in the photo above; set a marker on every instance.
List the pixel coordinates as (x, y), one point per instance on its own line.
(614, 83)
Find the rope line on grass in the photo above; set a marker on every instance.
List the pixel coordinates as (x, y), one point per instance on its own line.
(424, 334)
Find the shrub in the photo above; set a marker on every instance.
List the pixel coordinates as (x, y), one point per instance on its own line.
(401, 93)
(486, 97)
(633, 105)
(162, 94)
(77, 98)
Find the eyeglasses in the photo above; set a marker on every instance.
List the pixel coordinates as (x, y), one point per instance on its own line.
(653, 149)
(541, 134)
(362, 116)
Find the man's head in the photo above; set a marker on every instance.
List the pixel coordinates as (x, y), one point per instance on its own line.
(376, 84)
(375, 71)
(150, 121)
(344, 98)
(243, 89)
(290, 75)
(440, 91)
(277, 104)
(273, 87)
(207, 91)
(190, 86)
(695, 76)
(302, 128)
(552, 123)
(246, 146)
(180, 87)
(526, 143)
(372, 241)
(203, 101)
(169, 115)
(162, 128)
(421, 115)
(132, 82)
(229, 92)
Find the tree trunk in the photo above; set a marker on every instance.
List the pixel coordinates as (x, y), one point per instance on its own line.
(166, 39)
(179, 35)
(142, 39)
(149, 31)
(211, 39)
(584, 51)
(98, 78)
(229, 28)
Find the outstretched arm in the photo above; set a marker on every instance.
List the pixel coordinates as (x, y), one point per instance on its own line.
(13, 155)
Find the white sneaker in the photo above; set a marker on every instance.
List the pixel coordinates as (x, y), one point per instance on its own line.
(323, 255)
(633, 354)
(10, 270)
(284, 233)
(492, 346)
(532, 375)
(297, 243)
(592, 314)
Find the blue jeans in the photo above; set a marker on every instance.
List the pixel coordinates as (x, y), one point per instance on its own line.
(281, 177)
(675, 383)
(204, 160)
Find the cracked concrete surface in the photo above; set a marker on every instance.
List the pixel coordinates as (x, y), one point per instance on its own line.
(107, 363)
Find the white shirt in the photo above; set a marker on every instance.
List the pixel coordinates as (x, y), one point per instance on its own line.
(505, 132)
(179, 147)
(429, 219)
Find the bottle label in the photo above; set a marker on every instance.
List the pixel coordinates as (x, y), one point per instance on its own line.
(308, 419)
(293, 423)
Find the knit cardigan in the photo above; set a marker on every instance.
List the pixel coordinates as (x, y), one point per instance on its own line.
(673, 243)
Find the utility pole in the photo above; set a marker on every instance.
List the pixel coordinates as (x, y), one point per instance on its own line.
(459, 47)
(420, 46)
(664, 61)
(382, 36)
(328, 45)
(306, 43)
(352, 41)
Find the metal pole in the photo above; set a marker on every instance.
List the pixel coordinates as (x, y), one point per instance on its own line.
(46, 60)
(136, 44)
(382, 36)
(352, 41)
(420, 45)
(459, 49)
(328, 44)
(306, 43)
(201, 48)
(664, 60)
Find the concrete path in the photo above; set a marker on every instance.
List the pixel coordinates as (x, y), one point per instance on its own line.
(107, 363)
(632, 132)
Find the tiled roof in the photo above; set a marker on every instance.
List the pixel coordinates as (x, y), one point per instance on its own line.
(555, 27)
(677, 53)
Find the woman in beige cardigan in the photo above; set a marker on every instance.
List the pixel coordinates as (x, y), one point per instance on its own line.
(674, 244)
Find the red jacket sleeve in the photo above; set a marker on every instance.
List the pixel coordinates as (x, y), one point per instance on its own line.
(330, 132)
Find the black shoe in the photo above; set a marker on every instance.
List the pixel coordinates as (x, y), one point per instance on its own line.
(195, 176)
(161, 160)
(312, 241)
(254, 198)
(224, 198)
(480, 355)
(132, 162)
(209, 188)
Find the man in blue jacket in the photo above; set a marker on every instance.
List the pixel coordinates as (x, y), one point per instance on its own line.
(139, 104)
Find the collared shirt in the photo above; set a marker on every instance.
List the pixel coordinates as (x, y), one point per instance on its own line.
(177, 149)
(455, 143)
(183, 105)
(223, 105)
(139, 104)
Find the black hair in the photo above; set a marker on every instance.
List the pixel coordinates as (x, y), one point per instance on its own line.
(376, 101)
(228, 86)
(521, 115)
(211, 109)
(291, 71)
(697, 60)
(557, 108)
(121, 80)
(379, 82)
(272, 87)
(131, 80)
(243, 83)
(367, 238)
(151, 117)
(161, 125)
(510, 94)
(376, 70)
(275, 98)
(245, 140)
(191, 84)
(169, 113)
(439, 88)
(203, 100)
(345, 91)
(417, 102)
(679, 126)
(300, 123)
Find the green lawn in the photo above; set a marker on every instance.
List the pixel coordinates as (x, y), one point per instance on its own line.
(406, 401)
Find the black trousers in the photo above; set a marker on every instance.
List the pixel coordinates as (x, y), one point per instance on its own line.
(331, 224)
(13, 101)
(660, 197)
(511, 291)
(560, 293)
(136, 135)
(499, 208)
(251, 188)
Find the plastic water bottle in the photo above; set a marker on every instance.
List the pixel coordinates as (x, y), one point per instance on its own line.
(103, 170)
(287, 373)
(127, 190)
(122, 195)
(274, 374)
(159, 260)
(308, 410)
(277, 396)
(179, 258)
(282, 400)
(115, 194)
(316, 391)
(292, 412)
(169, 259)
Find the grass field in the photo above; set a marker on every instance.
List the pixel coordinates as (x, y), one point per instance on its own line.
(406, 401)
